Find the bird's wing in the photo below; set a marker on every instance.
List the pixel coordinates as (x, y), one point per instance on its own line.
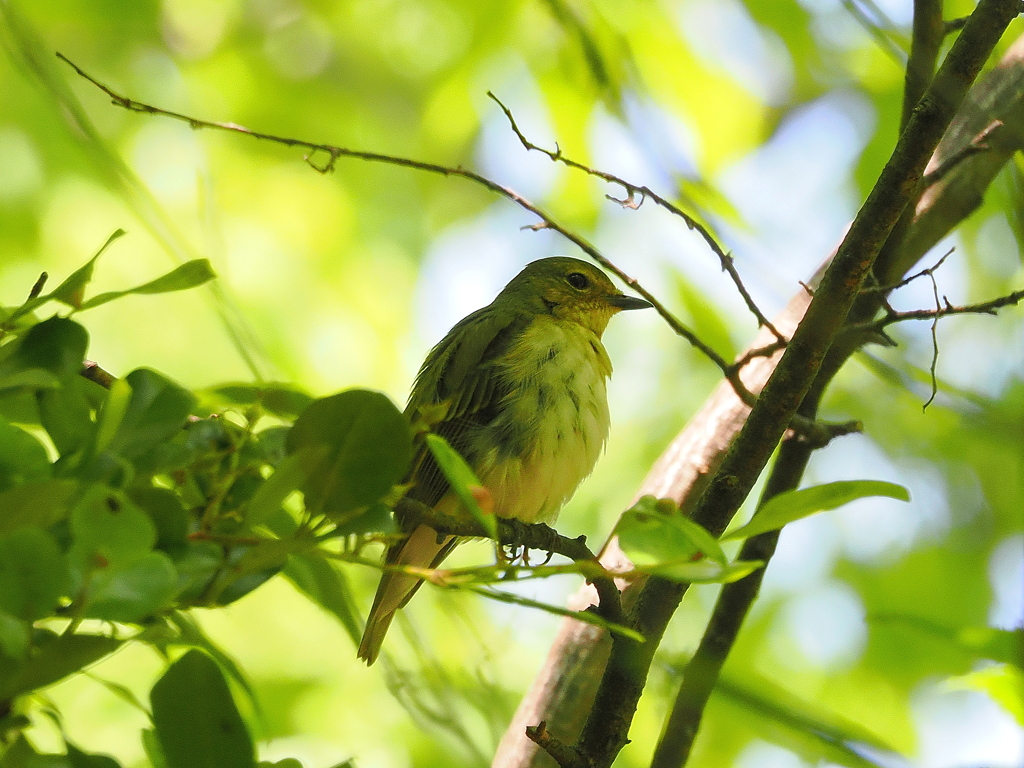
(461, 376)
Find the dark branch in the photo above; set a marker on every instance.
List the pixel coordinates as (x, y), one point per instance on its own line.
(513, 533)
(93, 372)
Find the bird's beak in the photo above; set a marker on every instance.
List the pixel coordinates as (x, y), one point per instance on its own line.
(621, 301)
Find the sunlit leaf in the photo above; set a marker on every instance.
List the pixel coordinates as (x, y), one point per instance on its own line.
(794, 505)
(72, 290)
(189, 275)
(23, 459)
(462, 480)
(655, 533)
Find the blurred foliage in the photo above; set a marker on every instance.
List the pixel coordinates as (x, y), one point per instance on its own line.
(881, 626)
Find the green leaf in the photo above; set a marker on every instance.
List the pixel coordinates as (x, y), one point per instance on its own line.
(158, 408)
(327, 587)
(23, 459)
(115, 405)
(188, 275)
(704, 571)
(14, 636)
(191, 634)
(365, 444)
(290, 475)
(132, 591)
(462, 479)
(167, 514)
(72, 290)
(36, 503)
(794, 505)
(196, 720)
(378, 518)
(76, 758)
(56, 345)
(1003, 683)
(55, 660)
(810, 730)
(108, 529)
(33, 574)
(66, 415)
(28, 378)
(654, 534)
(284, 400)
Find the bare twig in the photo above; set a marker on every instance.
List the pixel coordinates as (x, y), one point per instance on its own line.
(93, 372)
(563, 754)
(645, 192)
(335, 152)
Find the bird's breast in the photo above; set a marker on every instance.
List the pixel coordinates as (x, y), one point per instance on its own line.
(551, 425)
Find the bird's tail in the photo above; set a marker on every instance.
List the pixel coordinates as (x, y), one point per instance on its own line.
(421, 549)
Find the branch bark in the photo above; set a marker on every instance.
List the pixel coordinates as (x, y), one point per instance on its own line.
(565, 687)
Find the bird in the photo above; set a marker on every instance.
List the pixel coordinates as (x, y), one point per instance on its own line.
(518, 388)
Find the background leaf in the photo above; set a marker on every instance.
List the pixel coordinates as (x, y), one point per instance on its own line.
(196, 720)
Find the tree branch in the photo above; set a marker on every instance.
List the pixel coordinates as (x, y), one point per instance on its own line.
(684, 471)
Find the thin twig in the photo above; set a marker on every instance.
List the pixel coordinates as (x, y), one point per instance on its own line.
(335, 152)
(631, 202)
(93, 372)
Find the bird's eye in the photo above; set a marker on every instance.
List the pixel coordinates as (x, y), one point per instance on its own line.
(578, 280)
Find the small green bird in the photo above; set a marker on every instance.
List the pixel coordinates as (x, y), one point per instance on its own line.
(520, 388)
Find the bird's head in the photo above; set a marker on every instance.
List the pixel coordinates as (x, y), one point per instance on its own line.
(569, 289)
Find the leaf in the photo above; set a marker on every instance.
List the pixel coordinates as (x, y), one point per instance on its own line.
(809, 730)
(66, 415)
(704, 571)
(132, 591)
(290, 475)
(794, 505)
(72, 290)
(192, 635)
(462, 480)
(33, 574)
(587, 617)
(283, 400)
(55, 660)
(108, 529)
(655, 533)
(1003, 683)
(366, 447)
(188, 275)
(14, 636)
(167, 514)
(36, 503)
(76, 758)
(327, 587)
(23, 459)
(196, 720)
(28, 378)
(56, 345)
(157, 409)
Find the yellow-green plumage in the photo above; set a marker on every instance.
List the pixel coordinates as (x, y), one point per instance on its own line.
(521, 385)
